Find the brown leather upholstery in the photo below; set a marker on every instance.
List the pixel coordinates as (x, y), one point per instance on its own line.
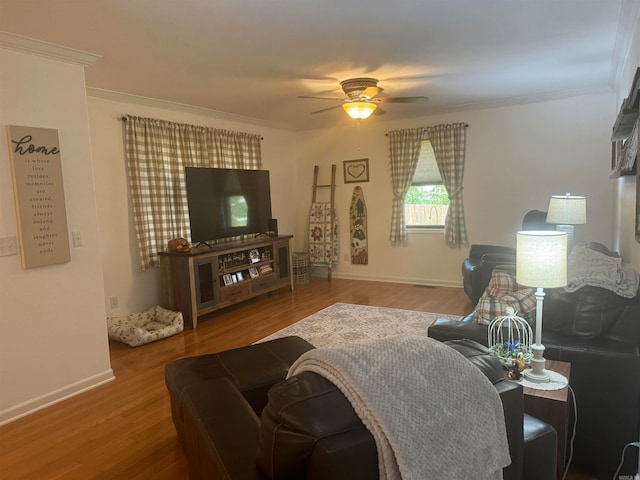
(599, 334)
(253, 369)
(482, 259)
(308, 428)
(477, 267)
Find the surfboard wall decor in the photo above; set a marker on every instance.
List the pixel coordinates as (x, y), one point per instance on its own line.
(358, 228)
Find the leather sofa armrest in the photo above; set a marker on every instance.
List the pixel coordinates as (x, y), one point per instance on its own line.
(221, 431)
(513, 405)
(444, 330)
(498, 258)
(478, 250)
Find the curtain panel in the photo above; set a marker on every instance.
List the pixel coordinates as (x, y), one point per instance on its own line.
(404, 151)
(157, 152)
(449, 143)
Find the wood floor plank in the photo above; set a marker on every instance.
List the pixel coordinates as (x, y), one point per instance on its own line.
(122, 430)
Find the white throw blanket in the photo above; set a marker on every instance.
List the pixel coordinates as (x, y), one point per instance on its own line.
(432, 413)
(588, 267)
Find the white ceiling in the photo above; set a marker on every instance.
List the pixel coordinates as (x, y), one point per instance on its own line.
(254, 57)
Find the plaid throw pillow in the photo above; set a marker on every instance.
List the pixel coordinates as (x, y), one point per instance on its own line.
(502, 293)
(501, 282)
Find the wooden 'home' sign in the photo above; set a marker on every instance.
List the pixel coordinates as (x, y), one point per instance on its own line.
(39, 195)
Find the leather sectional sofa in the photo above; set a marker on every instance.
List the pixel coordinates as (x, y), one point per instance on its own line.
(238, 418)
(598, 332)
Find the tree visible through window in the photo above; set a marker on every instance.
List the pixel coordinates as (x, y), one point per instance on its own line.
(427, 202)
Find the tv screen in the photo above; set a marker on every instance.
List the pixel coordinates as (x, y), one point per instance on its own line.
(227, 202)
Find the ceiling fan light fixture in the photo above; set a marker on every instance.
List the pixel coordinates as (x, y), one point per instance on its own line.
(359, 110)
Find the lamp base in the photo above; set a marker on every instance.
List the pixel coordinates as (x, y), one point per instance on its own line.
(537, 373)
(542, 377)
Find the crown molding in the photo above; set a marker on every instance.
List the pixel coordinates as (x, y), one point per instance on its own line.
(45, 49)
(180, 107)
(629, 19)
(523, 100)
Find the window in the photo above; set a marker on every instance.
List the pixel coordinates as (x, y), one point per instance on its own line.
(426, 203)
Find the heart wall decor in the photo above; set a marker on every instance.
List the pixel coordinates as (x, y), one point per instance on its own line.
(356, 171)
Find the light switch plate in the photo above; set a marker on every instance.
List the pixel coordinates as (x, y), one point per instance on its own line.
(8, 246)
(78, 241)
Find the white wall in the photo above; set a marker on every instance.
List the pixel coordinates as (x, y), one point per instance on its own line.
(53, 338)
(626, 186)
(517, 157)
(138, 290)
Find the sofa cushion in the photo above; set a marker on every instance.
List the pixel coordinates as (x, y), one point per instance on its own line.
(587, 313)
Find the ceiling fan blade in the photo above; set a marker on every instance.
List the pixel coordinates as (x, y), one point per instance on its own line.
(371, 92)
(401, 100)
(379, 111)
(326, 109)
(320, 98)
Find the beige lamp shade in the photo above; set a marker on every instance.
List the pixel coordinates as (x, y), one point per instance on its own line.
(359, 109)
(567, 210)
(541, 258)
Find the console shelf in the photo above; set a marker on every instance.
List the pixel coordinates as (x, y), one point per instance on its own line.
(213, 277)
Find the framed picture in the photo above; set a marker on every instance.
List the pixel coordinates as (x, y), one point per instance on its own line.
(240, 276)
(253, 272)
(227, 279)
(356, 170)
(254, 255)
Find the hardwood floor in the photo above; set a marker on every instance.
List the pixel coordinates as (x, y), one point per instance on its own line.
(123, 430)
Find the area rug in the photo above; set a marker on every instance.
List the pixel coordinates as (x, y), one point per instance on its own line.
(343, 323)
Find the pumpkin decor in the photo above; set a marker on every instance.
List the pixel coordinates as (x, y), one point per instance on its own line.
(179, 245)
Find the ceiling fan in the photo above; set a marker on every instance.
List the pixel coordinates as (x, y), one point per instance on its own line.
(361, 99)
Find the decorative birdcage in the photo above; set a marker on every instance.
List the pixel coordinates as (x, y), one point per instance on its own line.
(510, 336)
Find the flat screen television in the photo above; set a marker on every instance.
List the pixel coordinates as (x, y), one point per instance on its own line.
(227, 202)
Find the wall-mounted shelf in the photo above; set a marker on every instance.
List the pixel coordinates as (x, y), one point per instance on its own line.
(624, 138)
(628, 114)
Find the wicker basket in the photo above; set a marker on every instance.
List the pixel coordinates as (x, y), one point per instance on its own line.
(301, 267)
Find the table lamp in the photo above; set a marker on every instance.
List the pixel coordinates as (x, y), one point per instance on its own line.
(566, 211)
(541, 262)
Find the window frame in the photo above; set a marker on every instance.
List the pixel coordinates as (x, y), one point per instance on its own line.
(413, 228)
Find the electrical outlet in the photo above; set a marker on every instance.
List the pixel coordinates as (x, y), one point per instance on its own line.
(114, 302)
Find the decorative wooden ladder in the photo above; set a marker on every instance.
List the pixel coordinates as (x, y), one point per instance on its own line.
(332, 201)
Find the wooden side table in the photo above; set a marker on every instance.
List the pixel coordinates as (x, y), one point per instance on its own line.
(552, 407)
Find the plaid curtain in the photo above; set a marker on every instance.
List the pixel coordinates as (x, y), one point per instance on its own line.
(448, 142)
(404, 151)
(157, 152)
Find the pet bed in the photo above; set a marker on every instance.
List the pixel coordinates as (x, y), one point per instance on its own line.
(141, 328)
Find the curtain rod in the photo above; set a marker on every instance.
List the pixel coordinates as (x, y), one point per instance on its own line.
(124, 119)
(466, 125)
